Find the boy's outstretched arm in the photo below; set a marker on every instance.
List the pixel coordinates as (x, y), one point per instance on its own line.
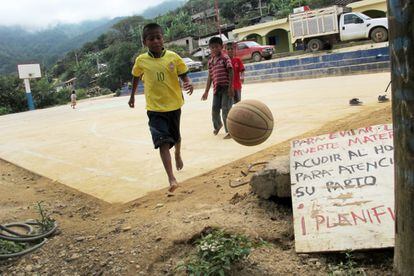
(188, 86)
(135, 81)
(208, 85)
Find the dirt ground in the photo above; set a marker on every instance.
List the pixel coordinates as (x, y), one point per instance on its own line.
(150, 235)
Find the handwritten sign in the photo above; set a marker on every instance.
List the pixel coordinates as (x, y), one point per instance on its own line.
(343, 190)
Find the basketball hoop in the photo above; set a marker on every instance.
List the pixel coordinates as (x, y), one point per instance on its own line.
(27, 72)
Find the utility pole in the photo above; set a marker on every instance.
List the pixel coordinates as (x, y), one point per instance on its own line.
(76, 58)
(140, 32)
(401, 30)
(260, 8)
(216, 6)
(97, 62)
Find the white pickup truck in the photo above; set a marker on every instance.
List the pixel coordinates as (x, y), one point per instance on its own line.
(320, 29)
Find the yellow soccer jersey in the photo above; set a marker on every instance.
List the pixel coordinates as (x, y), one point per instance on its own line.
(162, 88)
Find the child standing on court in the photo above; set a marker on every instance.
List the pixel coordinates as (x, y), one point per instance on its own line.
(73, 99)
(162, 70)
(238, 72)
(220, 72)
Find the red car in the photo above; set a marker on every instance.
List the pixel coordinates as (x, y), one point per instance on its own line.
(253, 50)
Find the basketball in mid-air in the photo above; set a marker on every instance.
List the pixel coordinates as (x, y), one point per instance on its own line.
(250, 122)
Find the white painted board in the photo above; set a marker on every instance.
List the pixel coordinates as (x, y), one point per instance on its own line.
(343, 190)
(29, 71)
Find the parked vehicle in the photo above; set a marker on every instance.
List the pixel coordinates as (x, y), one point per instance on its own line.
(202, 52)
(193, 65)
(253, 50)
(320, 29)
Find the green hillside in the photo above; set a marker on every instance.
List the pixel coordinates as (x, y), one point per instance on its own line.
(45, 47)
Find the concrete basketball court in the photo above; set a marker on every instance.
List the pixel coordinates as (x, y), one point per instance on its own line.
(104, 148)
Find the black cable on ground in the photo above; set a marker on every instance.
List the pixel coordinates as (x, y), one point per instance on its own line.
(235, 184)
(24, 238)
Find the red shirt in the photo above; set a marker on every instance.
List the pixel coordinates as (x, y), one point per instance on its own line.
(218, 70)
(238, 67)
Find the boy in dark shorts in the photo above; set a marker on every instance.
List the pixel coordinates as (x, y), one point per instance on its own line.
(220, 72)
(238, 72)
(163, 95)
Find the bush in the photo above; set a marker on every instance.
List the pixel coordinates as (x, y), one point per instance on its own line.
(105, 91)
(4, 110)
(12, 94)
(81, 93)
(63, 96)
(98, 91)
(217, 252)
(43, 93)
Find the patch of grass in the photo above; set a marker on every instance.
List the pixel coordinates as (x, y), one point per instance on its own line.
(216, 252)
(45, 221)
(10, 247)
(347, 268)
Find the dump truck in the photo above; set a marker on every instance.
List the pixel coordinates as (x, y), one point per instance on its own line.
(322, 28)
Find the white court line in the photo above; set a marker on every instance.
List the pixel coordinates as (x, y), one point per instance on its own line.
(93, 129)
(98, 172)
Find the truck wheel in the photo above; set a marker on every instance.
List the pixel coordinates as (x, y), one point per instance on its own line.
(256, 57)
(315, 45)
(379, 35)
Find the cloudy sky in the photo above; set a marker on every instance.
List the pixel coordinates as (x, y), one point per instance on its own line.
(42, 13)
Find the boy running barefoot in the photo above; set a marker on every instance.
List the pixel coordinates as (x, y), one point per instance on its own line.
(163, 96)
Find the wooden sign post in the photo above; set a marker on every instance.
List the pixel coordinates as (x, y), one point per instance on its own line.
(401, 22)
(343, 190)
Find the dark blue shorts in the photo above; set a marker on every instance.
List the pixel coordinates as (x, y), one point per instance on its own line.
(165, 127)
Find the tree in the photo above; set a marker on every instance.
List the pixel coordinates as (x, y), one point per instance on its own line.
(119, 58)
(401, 29)
(12, 95)
(232, 10)
(125, 28)
(43, 94)
(85, 72)
(100, 42)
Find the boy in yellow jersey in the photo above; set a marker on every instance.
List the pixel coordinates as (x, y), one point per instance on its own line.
(163, 95)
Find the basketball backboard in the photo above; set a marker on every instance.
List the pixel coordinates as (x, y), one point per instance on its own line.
(29, 71)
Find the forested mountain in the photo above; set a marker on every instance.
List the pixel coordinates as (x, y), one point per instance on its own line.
(18, 45)
(162, 8)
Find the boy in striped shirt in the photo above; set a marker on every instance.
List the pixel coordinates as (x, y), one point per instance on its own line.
(220, 73)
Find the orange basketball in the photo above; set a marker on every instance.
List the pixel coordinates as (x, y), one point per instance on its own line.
(250, 122)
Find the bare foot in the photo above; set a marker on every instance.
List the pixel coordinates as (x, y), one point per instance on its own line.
(216, 131)
(173, 185)
(179, 162)
(228, 136)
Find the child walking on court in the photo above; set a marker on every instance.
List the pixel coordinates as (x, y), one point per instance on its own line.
(238, 72)
(73, 99)
(220, 72)
(162, 70)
